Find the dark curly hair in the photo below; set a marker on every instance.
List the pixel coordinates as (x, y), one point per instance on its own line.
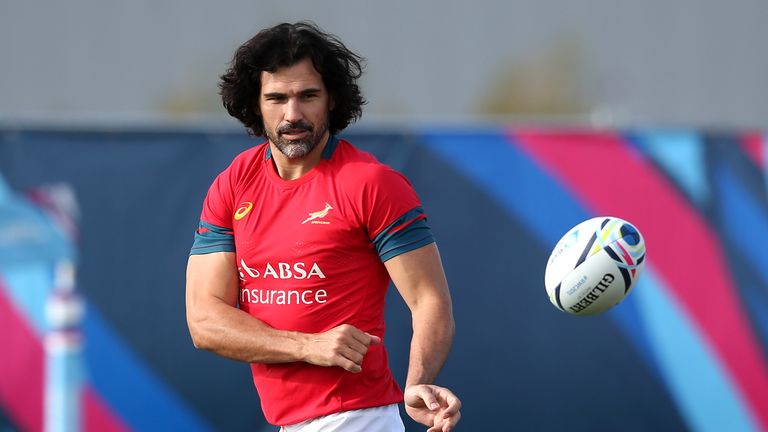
(285, 45)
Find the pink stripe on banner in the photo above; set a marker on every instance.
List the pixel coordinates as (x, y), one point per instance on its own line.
(611, 179)
(98, 417)
(752, 143)
(21, 377)
(21, 370)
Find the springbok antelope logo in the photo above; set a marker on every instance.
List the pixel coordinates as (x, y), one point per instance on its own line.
(319, 215)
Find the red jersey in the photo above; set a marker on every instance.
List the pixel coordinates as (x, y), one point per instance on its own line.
(310, 255)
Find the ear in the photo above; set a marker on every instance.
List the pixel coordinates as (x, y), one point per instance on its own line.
(331, 103)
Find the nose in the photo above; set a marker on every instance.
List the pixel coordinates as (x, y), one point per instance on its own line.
(293, 112)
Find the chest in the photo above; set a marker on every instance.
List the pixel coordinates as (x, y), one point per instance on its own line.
(313, 225)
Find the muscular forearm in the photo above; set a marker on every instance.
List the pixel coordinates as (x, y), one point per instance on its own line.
(431, 405)
(217, 325)
(433, 329)
(419, 277)
(234, 334)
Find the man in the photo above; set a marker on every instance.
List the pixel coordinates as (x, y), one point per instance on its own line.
(298, 240)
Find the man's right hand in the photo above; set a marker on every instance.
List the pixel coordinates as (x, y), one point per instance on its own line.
(343, 346)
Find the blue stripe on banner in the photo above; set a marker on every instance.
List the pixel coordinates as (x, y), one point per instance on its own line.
(755, 301)
(28, 287)
(513, 180)
(681, 154)
(694, 377)
(745, 224)
(662, 334)
(131, 389)
(5, 190)
(516, 182)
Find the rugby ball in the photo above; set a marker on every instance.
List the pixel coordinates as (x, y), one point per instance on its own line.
(594, 265)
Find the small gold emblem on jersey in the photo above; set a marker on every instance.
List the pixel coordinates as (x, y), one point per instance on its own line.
(243, 211)
(314, 216)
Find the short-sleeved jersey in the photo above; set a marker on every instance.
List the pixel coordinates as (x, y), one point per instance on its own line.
(310, 255)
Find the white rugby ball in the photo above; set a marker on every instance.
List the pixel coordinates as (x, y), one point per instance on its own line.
(594, 266)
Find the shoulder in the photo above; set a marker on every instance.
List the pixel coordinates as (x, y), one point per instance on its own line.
(373, 187)
(359, 167)
(242, 168)
(247, 159)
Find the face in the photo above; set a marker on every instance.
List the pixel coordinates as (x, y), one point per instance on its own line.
(294, 105)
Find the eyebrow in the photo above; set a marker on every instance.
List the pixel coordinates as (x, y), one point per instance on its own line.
(301, 93)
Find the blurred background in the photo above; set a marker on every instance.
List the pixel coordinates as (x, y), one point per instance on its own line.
(513, 120)
(689, 62)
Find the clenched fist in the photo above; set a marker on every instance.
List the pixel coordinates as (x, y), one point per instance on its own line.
(343, 346)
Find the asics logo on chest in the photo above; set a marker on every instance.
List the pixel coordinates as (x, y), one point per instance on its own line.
(243, 210)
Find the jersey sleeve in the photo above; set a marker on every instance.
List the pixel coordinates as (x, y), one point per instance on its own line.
(394, 216)
(214, 233)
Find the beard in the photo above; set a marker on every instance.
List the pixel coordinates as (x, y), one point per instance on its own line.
(294, 149)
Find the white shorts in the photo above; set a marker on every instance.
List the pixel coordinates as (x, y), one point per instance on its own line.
(379, 419)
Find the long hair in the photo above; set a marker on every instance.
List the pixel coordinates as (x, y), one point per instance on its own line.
(285, 45)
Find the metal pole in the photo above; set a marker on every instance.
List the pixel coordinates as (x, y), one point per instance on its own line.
(63, 347)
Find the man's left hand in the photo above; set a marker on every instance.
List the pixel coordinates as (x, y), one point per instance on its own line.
(433, 406)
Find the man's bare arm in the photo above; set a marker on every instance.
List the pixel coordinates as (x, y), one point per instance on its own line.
(419, 277)
(216, 324)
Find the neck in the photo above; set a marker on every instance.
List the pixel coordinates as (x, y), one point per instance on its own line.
(291, 169)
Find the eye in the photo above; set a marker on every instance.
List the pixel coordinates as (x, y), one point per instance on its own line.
(275, 98)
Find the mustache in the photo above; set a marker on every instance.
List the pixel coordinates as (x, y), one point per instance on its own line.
(295, 126)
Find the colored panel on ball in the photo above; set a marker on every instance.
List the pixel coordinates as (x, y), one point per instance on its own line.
(627, 280)
(622, 270)
(629, 233)
(587, 250)
(557, 297)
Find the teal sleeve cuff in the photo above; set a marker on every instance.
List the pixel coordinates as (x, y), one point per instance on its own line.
(211, 238)
(410, 231)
